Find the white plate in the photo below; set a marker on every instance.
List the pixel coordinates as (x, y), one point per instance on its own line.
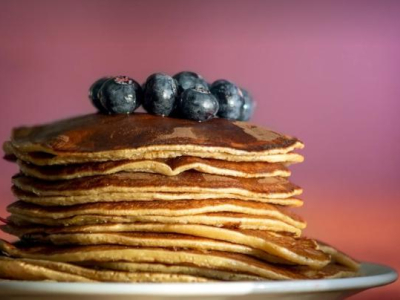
(372, 275)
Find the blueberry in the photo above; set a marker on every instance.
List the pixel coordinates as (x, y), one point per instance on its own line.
(247, 107)
(120, 95)
(160, 94)
(93, 94)
(190, 80)
(198, 104)
(230, 99)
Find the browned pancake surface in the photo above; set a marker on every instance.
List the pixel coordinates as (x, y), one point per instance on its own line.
(245, 167)
(193, 181)
(169, 167)
(168, 208)
(97, 133)
(225, 220)
(66, 200)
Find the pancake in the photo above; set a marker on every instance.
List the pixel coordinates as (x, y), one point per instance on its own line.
(98, 137)
(229, 220)
(176, 269)
(214, 260)
(159, 208)
(167, 167)
(16, 269)
(301, 251)
(46, 159)
(191, 182)
(142, 196)
(330, 271)
(30, 269)
(153, 240)
(339, 257)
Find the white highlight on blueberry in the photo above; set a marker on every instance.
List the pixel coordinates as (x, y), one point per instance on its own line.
(129, 98)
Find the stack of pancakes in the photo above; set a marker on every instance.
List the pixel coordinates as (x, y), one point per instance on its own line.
(141, 198)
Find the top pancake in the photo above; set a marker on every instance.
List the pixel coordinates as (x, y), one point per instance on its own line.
(99, 137)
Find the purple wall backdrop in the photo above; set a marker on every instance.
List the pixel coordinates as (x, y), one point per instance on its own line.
(326, 71)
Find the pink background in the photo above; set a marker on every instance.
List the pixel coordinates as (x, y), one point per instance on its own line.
(325, 71)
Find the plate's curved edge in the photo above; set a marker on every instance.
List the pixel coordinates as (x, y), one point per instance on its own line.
(373, 275)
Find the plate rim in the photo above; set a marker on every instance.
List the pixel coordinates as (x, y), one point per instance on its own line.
(375, 275)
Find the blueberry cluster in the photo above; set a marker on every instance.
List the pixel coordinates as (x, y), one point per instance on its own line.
(186, 95)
